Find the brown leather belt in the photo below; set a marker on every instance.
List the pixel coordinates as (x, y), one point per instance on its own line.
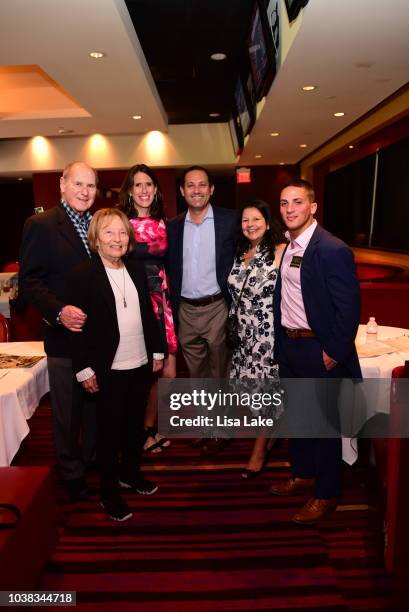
(300, 333)
(204, 301)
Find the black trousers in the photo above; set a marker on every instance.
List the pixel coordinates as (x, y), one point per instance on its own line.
(74, 419)
(319, 458)
(121, 404)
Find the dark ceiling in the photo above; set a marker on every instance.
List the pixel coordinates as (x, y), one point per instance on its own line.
(178, 37)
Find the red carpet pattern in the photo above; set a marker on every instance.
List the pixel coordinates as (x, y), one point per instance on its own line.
(209, 540)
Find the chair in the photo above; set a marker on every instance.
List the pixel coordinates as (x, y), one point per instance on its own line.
(4, 329)
(11, 266)
(26, 322)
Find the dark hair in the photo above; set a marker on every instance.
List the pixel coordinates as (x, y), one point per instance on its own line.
(126, 203)
(272, 236)
(303, 184)
(193, 168)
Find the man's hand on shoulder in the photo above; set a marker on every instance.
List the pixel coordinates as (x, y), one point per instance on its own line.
(72, 318)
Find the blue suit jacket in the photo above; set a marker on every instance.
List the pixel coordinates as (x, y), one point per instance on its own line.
(331, 295)
(225, 230)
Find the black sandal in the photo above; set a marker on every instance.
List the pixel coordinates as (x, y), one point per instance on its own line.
(151, 432)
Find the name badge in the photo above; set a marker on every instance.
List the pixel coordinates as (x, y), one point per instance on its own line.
(296, 261)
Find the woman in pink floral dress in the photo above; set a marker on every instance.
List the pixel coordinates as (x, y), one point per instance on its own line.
(141, 200)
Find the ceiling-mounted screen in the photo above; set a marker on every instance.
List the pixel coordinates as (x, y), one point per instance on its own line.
(236, 133)
(261, 50)
(245, 109)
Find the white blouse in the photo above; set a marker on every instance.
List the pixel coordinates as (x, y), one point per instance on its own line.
(131, 351)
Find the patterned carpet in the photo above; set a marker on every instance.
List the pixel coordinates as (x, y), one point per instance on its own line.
(209, 540)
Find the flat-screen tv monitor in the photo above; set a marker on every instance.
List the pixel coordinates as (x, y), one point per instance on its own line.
(236, 133)
(294, 7)
(246, 110)
(261, 50)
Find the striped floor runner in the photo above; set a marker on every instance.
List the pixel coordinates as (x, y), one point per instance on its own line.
(208, 540)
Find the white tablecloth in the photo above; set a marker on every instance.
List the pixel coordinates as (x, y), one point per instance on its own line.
(376, 367)
(20, 392)
(5, 295)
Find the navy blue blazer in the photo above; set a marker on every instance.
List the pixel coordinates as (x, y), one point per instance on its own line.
(330, 290)
(225, 221)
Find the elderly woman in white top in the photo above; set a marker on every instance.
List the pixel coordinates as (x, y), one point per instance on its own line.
(115, 354)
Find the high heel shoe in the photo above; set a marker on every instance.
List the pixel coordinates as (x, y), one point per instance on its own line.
(252, 474)
(156, 447)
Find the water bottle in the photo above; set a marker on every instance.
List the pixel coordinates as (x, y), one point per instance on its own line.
(371, 330)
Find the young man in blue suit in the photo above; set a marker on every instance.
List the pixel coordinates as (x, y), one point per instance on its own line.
(200, 257)
(316, 314)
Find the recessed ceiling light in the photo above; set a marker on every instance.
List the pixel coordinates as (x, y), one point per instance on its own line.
(303, 146)
(218, 57)
(275, 134)
(137, 117)
(97, 54)
(350, 146)
(20, 178)
(214, 114)
(340, 114)
(309, 87)
(282, 163)
(258, 156)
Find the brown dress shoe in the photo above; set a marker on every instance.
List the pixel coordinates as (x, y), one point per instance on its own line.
(314, 510)
(292, 486)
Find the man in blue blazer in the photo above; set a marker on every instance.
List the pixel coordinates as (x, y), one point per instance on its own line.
(200, 257)
(316, 315)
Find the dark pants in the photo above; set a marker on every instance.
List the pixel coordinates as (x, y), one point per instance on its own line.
(121, 404)
(319, 458)
(74, 420)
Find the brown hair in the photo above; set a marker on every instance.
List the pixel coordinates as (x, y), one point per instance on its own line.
(97, 221)
(303, 184)
(126, 202)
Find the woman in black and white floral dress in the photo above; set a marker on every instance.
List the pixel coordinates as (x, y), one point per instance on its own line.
(260, 246)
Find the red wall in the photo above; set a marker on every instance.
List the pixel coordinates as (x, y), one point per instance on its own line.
(20, 200)
(46, 188)
(266, 184)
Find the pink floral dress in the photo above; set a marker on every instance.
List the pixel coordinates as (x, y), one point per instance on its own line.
(151, 246)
